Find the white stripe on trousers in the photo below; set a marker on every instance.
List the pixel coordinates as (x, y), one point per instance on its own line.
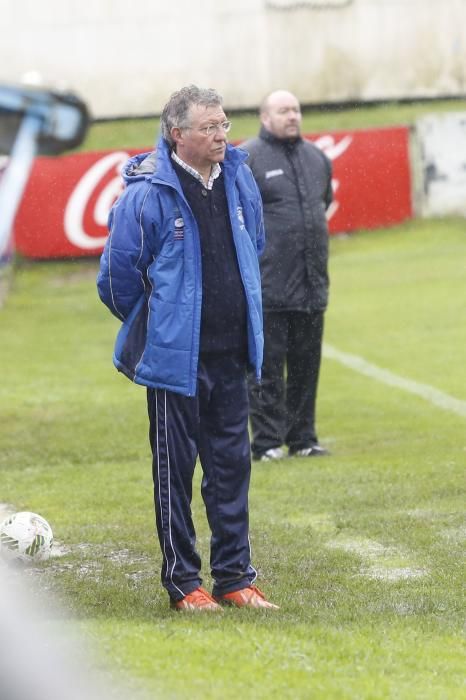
(169, 575)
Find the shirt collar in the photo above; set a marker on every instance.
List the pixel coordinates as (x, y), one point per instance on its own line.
(214, 173)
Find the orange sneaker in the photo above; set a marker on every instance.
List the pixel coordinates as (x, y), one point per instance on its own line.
(198, 600)
(250, 597)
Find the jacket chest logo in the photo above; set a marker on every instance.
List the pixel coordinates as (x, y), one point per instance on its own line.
(273, 173)
(178, 233)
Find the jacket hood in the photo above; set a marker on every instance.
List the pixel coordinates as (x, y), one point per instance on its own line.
(139, 166)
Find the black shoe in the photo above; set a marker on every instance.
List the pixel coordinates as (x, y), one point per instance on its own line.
(312, 451)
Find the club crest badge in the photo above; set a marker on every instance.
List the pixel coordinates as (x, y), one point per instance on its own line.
(178, 234)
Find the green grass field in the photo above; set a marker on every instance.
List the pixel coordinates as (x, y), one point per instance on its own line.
(136, 133)
(362, 550)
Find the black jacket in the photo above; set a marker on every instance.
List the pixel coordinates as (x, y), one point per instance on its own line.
(294, 179)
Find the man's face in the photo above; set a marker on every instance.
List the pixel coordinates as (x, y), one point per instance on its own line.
(282, 115)
(194, 146)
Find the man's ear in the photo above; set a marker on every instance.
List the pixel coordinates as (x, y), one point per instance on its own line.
(176, 134)
(264, 119)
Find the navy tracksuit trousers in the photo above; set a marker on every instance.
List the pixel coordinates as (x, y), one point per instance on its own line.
(214, 426)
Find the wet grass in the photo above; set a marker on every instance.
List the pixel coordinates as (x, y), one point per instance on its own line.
(141, 133)
(362, 550)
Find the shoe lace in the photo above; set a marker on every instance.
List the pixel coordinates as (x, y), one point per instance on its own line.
(200, 595)
(257, 591)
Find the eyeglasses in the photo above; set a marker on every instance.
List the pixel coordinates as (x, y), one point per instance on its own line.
(213, 128)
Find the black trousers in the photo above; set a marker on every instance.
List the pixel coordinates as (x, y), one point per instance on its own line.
(282, 408)
(214, 425)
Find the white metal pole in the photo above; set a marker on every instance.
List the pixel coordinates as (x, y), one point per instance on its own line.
(14, 178)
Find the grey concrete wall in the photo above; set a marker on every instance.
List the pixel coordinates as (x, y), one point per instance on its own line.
(439, 162)
(126, 58)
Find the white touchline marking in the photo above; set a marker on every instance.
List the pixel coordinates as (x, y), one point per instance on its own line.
(455, 535)
(396, 574)
(361, 546)
(381, 562)
(429, 393)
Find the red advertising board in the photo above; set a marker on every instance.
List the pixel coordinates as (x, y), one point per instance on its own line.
(65, 207)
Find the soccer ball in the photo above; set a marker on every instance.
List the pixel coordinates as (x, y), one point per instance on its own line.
(25, 537)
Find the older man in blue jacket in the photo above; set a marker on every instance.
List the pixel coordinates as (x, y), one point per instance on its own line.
(180, 269)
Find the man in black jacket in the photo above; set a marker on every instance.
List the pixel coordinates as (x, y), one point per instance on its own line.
(294, 178)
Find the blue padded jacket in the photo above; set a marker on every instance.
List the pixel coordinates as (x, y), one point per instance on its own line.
(150, 270)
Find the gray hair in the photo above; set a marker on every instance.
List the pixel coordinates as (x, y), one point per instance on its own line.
(176, 111)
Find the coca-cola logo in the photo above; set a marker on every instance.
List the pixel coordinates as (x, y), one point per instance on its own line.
(333, 149)
(91, 200)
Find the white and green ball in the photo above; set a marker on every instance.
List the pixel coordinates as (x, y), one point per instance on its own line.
(25, 537)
